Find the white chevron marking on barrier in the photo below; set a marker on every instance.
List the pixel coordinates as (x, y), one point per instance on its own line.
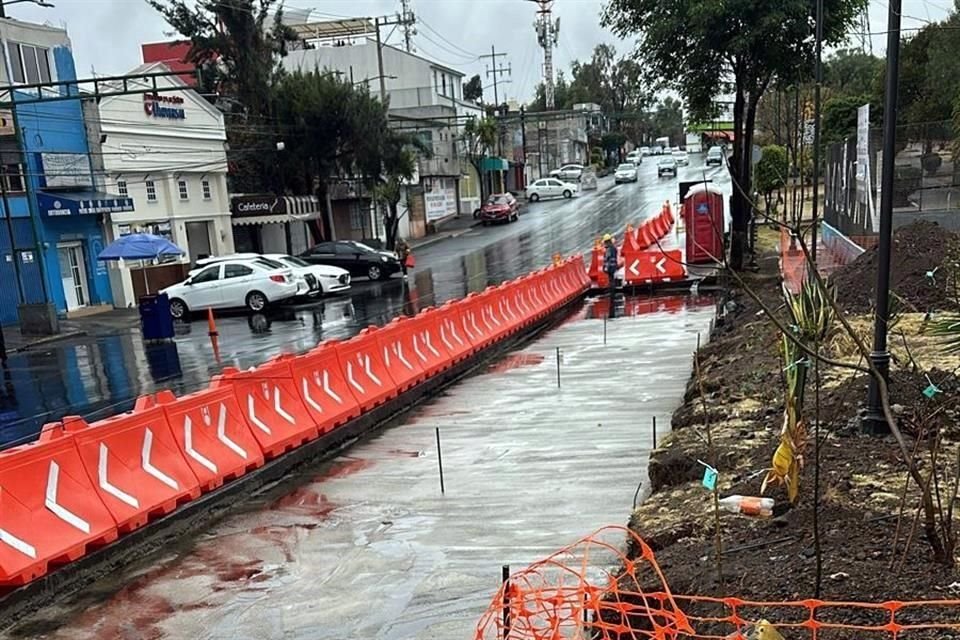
(443, 335)
(193, 453)
(386, 356)
(426, 341)
(369, 371)
(148, 466)
(453, 332)
(326, 387)
(279, 409)
(493, 316)
(354, 383)
(416, 348)
(222, 434)
(466, 328)
(310, 401)
(483, 316)
(398, 349)
(473, 321)
(14, 542)
(252, 414)
(57, 509)
(105, 483)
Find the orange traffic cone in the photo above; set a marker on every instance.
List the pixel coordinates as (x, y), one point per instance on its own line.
(211, 324)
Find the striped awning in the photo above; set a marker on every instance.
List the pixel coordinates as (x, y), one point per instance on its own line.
(292, 209)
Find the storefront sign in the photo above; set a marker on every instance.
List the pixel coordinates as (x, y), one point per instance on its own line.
(82, 203)
(436, 205)
(66, 170)
(159, 105)
(257, 205)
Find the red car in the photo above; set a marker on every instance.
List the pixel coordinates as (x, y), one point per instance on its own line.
(500, 207)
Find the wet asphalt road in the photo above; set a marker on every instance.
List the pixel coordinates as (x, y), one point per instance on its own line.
(98, 376)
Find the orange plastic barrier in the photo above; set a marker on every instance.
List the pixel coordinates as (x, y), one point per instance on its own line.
(271, 405)
(470, 321)
(596, 262)
(511, 318)
(322, 389)
(655, 266)
(458, 346)
(363, 370)
(134, 464)
(493, 319)
(50, 513)
(427, 343)
(212, 434)
(399, 355)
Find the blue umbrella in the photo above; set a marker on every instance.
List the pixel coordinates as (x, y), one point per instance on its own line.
(140, 246)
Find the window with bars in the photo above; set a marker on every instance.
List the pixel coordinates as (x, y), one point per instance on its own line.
(151, 191)
(182, 188)
(122, 188)
(205, 186)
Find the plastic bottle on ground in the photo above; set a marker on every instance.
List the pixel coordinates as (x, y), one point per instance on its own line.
(748, 505)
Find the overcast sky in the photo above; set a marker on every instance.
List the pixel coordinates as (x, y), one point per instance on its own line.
(107, 34)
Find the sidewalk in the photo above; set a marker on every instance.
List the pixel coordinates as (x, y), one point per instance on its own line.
(101, 324)
(452, 228)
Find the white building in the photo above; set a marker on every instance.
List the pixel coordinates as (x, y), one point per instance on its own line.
(424, 96)
(166, 151)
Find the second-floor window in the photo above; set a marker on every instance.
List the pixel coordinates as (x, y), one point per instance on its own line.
(182, 188)
(29, 64)
(12, 176)
(122, 187)
(151, 191)
(205, 187)
(443, 77)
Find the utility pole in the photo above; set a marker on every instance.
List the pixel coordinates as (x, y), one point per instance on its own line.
(547, 33)
(875, 421)
(407, 23)
(496, 71)
(383, 86)
(404, 21)
(816, 133)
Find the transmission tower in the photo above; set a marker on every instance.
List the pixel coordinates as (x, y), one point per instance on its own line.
(407, 21)
(866, 40)
(548, 31)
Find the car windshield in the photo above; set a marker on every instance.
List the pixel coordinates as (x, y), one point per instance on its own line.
(498, 200)
(625, 167)
(362, 247)
(297, 262)
(666, 161)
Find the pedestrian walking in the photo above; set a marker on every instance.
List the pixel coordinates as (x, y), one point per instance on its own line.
(405, 255)
(610, 262)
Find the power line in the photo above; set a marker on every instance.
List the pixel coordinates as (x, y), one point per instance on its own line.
(455, 46)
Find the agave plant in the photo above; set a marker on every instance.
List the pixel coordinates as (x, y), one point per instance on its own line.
(811, 316)
(948, 327)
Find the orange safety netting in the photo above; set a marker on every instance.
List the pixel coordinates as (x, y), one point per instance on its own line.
(608, 586)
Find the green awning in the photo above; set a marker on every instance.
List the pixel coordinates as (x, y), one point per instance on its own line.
(494, 164)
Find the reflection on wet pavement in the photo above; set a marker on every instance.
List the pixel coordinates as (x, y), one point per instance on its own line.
(365, 546)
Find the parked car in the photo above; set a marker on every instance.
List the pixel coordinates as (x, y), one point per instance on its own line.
(500, 207)
(254, 284)
(356, 257)
(626, 172)
(550, 188)
(667, 165)
(318, 279)
(568, 172)
(644, 151)
(681, 157)
(634, 157)
(714, 156)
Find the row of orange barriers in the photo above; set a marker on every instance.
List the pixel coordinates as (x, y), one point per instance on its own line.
(80, 486)
(644, 254)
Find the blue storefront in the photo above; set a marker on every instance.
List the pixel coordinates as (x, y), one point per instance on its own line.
(56, 213)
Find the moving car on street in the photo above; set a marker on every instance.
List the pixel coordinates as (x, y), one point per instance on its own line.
(667, 165)
(233, 284)
(357, 258)
(500, 207)
(568, 172)
(626, 172)
(644, 151)
(681, 157)
(634, 157)
(319, 279)
(550, 188)
(714, 156)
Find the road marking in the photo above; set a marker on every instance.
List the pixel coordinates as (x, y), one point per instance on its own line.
(53, 483)
(145, 454)
(105, 483)
(193, 453)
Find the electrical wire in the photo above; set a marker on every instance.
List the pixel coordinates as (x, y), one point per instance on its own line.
(468, 53)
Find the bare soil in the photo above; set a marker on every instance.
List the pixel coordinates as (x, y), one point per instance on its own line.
(861, 476)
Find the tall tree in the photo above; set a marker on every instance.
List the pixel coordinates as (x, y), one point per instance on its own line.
(477, 141)
(473, 90)
(398, 154)
(704, 48)
(851, 72)
(237, 45)
(667, 120)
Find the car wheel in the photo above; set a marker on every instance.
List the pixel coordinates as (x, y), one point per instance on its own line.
(567, 193)
(534, 197)
(178, 309)
(256, 301)
(374, 272)
(476, 213)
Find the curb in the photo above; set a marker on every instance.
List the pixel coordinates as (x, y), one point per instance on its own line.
(67, 335)
(440, 238)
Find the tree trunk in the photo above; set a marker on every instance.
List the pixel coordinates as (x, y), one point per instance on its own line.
(391, 225)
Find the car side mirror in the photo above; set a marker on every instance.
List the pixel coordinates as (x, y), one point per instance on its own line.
(188, 282)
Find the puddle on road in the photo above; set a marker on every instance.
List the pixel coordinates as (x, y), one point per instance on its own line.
(368, 547)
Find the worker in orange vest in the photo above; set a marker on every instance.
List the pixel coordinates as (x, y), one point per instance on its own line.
(610, 262)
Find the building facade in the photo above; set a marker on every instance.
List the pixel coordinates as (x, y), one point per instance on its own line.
(52, 210)
(165, 151)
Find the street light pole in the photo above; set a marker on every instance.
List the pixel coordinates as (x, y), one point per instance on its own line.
(816, 133)
(875, 421)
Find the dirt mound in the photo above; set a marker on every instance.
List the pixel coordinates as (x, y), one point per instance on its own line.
(918, 248)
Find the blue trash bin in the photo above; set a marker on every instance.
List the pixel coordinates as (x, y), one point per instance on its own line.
(156, 323)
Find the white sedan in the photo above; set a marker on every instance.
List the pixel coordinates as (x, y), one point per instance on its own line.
(229, 284)
(550, 188)
(626, 172)
(568, 172)
(314, 279)
(681, 157)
